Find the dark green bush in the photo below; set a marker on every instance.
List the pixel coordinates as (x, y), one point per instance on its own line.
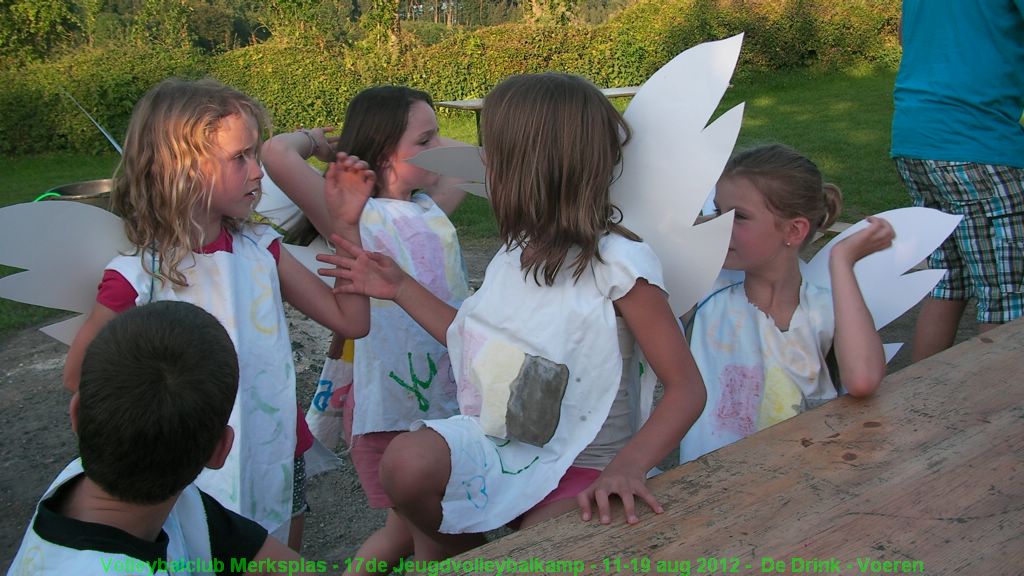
(36, 116)
(311, 82)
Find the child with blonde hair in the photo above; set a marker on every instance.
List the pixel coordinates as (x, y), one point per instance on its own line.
(186, 186)
(765, 342)
(400, 373)
(543, 352)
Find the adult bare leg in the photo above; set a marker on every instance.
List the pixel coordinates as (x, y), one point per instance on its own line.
(936, 326)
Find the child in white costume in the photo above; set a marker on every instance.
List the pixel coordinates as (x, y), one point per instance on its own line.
(128, 504)
(400, 373)
(762, 339)
(536, 350)
(186, 185)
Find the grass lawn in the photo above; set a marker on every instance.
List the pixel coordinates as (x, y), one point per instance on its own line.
(839, 119)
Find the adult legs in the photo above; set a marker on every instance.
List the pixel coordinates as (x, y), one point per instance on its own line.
(936, 326)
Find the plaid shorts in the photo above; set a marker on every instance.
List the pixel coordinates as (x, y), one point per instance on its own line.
(984, 257)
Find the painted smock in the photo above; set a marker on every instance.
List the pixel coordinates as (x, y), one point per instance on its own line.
(572, 324)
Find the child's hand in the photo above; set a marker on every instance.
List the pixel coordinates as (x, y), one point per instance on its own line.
(877, 236)
(323, 146)
(347, 185)
(626, 485)
(369, 273)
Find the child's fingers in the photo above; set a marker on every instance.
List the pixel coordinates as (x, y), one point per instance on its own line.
(648, 497)
(333, 272)
(347, 246)
(604, 508)
(583, 501)
(628, 507)
(335, 259)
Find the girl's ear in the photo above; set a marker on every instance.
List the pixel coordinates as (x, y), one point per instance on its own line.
(796, 231)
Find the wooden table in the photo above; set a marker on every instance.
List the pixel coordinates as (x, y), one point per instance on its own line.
(477, 104)
(927, 476)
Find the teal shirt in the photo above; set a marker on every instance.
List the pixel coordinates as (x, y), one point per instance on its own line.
(959, 94)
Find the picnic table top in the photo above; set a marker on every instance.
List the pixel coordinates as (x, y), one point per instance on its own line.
(927, 475)
(477, 104)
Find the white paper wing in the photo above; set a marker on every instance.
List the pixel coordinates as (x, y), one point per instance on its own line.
(306, 255)
(63, 247)
(276, 206)
(674, 159)
(888, 290)
(462, 162)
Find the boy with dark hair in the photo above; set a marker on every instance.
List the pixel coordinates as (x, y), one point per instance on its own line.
(158, 385)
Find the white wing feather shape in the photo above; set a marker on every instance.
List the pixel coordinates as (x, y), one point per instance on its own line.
(463, 162)
(674, 158)
(668, 167)
(278, 208)
(888, 291)
(63, 247)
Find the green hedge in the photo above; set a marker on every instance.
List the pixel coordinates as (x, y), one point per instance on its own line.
(36, 116)
(311, 84)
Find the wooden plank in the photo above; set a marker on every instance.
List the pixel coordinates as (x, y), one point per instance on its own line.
(477, 104)
(930, 469)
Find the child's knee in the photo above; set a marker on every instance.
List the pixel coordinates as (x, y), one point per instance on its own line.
(414, 465)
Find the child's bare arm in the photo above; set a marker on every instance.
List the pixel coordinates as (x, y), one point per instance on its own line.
(345, 314)
(284, 157)
(646, 311)
(857, 344)
(377, 275)
(446, 193)
(348, 184)
(98, 318)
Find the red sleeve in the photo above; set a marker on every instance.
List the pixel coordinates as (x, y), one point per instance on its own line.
(275, 249)
(115, 292)
(303, 435)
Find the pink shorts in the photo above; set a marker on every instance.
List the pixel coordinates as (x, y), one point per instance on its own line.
(574, 481)
(365, 451)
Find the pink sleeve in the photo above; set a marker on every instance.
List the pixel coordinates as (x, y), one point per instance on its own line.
(275, 249)
(115, 292)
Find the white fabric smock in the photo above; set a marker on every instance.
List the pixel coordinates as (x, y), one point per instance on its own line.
(755, 374)
(188, 538)
(401, 373)
(573, 322)
(242, 290)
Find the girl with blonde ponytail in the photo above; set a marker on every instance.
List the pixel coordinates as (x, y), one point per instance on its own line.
(769, 344)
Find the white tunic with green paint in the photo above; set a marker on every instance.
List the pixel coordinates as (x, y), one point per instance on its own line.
(401, 373)
(241, 289)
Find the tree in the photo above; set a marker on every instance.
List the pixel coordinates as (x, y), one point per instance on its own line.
(163, 23)
(32, 29)
(551, 11)
(383, 18)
